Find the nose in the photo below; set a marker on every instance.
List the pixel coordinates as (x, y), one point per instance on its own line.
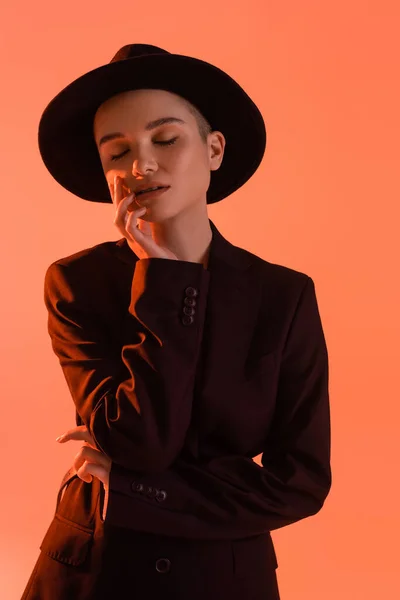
(143, 165)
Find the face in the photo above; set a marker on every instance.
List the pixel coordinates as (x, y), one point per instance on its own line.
(173, 154)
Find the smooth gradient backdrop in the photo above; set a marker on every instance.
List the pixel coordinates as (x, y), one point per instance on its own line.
(324, 201)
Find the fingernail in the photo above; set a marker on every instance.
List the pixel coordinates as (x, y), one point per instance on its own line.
(60, 438)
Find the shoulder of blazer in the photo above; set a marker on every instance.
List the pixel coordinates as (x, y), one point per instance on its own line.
(89, 255)
(118, 252)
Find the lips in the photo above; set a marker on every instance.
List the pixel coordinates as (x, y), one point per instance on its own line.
(151, 189)
(145, 196)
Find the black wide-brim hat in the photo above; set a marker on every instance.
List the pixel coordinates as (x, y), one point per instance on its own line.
(66, 138)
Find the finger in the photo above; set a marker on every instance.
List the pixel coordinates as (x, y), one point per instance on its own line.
(142, 234)
(73, 429)
(121, 212)
(145, 227)
(122, 193)
(114, 186)
(124, 219)
(125, 190)
(119, 195)
(76, 433)
(86, 453)
(111, 190)
(134, 220)
(77, 436)
(89, 470)
(84, 474)
(117, 190)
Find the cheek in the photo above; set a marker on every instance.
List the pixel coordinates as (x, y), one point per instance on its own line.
(179, 160)
(189, 162)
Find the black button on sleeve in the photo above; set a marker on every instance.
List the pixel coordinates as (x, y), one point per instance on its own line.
(161, 495)
(189, 301)
(187, 320)
(137, 486)
(191, 292)
(151, 492)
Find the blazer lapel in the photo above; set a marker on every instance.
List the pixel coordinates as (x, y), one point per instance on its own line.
(231, 318)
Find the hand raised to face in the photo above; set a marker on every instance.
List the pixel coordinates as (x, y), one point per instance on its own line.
(137, 231)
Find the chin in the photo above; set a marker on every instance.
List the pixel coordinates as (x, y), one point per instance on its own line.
(158, 214)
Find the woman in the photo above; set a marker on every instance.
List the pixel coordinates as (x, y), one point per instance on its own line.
(185, 355)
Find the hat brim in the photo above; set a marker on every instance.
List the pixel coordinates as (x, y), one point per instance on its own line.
(66, 141)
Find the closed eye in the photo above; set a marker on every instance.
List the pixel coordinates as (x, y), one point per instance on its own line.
(166, 143)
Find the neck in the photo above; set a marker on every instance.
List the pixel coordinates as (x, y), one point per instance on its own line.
(187, 235)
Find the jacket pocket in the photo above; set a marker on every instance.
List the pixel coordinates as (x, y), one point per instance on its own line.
(67, 542)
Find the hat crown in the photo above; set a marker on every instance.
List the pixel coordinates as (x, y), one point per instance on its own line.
(136, 50)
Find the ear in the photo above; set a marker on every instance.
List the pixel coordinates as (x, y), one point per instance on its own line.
(217, 147)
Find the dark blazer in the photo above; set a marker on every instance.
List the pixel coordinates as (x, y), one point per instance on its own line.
(182, 375)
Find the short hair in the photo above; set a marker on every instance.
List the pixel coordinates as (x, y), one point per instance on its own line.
(202, 123)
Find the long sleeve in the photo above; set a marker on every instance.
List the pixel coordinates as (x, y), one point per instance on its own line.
(232, 496)
(137, 402)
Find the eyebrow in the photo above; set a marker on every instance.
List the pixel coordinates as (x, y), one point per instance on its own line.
(151, 125)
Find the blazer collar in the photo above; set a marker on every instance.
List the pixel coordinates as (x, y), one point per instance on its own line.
(220, 250)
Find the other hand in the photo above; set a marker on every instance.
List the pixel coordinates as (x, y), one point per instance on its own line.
(89, 462)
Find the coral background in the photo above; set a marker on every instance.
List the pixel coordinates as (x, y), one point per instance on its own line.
(324, 201)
